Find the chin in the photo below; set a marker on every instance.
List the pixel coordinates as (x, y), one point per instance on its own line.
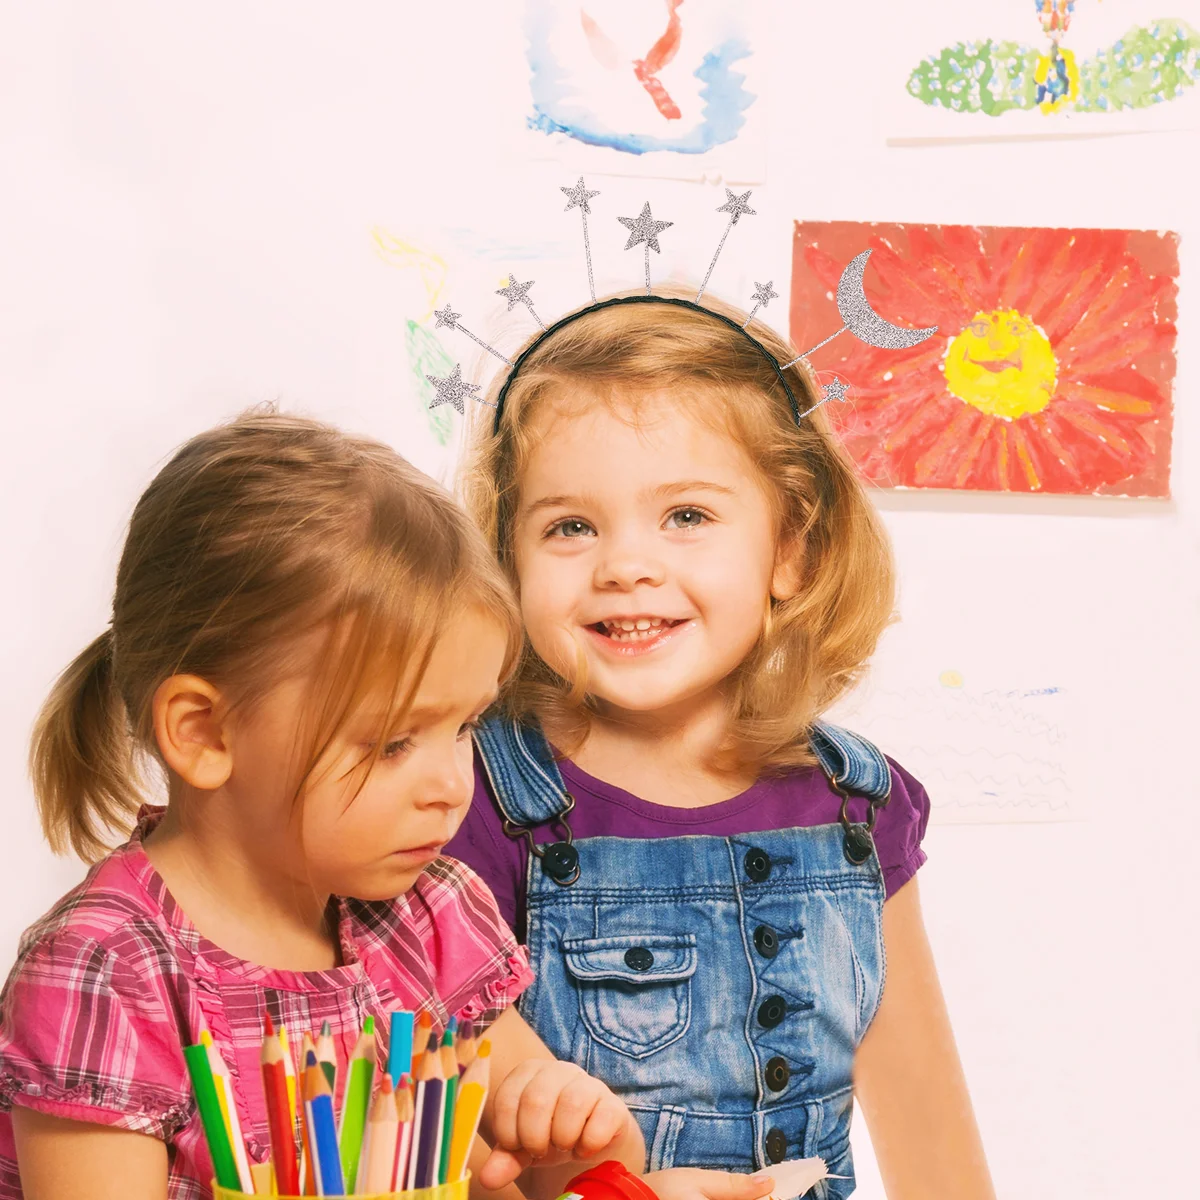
(380, 885)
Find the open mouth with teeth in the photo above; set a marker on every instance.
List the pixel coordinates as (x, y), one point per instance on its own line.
(634, 629)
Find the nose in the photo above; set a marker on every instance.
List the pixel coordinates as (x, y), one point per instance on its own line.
(627, 562)
(448, 780)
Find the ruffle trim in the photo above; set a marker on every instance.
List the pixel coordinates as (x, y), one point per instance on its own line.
(143, 1111)
(493, 998)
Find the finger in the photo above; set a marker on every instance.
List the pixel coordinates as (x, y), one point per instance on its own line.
(501, 1168)
(728, 1185)
(607, 1122)
(576, 1105)
(506, 1106)
(535, 1113)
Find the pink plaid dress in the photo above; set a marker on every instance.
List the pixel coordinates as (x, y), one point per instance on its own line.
(113, 982)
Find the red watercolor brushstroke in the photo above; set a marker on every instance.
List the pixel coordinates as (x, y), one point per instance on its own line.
(647, 69)
(1105, 298)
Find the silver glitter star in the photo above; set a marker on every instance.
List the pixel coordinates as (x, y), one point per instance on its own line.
(644, 228)
(446, 317)
(736, 206)
(578, 195)
(764, 293)
(452, 389)
(834, 391)
(515, 293)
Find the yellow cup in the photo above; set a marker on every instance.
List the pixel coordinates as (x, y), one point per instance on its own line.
(444, 1191)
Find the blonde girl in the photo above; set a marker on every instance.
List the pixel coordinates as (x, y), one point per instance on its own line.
(304, 629)
(709, 879)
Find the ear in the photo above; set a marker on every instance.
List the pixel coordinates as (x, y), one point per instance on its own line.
(190, 726)
(785, 579)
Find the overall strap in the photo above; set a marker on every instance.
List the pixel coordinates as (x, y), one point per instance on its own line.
(524, 776)
(852, 763)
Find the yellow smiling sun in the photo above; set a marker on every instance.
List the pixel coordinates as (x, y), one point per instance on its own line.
(1002, 364)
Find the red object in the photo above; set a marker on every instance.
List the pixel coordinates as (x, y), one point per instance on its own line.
(279, 1127)
(610, 1181)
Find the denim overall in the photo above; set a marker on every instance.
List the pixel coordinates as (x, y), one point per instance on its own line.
(719, 985)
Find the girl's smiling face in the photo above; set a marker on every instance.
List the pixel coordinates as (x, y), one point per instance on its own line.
(648, 549)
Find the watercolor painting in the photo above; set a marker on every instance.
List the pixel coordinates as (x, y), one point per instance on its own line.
(1052, 370)
(643, 77)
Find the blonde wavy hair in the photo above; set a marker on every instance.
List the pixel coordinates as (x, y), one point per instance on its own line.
(254, 534)
(814, 645)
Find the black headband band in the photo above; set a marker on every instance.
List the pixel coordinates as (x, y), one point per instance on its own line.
(612, 303)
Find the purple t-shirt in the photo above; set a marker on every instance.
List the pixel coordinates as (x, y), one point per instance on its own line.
(800, 798)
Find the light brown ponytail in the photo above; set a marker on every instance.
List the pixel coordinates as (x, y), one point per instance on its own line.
(253, 535)
(81, 757)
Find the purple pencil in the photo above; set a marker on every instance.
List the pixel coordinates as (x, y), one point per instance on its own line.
(431, 1086)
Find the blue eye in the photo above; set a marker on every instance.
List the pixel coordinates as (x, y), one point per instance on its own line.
(570, 528)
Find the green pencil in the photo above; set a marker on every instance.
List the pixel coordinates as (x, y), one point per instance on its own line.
(450, 1066)
(356, 1103)
(224, 1164)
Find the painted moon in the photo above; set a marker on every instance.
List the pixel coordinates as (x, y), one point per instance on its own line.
(863, 321)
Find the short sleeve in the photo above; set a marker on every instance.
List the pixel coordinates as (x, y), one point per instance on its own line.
(83, 1037)
(479, 969)
(901, 830)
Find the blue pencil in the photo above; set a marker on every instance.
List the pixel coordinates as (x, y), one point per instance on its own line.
(400, 1045)
(318, 1106)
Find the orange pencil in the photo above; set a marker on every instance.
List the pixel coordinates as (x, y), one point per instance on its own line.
(472, 1091)
(308, 1161)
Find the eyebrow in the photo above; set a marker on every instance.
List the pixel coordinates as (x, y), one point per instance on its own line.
(661, 492)
(431, 710)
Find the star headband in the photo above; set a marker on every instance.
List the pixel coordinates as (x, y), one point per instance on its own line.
(856, 312)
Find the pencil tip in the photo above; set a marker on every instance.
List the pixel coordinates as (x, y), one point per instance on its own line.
(452, 1025)
(325, 1030)
(434, 1043)
(369, 1026)
(268, 1024)
(425, 1020)
(311, 1060)
(485, 1048)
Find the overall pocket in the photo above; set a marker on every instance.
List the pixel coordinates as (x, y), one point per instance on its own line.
(635, 991)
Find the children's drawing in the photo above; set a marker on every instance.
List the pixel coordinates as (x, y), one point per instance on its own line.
(638, 76)
(426, 355)
(984, 754)
(1150, 65)
(1052, 371)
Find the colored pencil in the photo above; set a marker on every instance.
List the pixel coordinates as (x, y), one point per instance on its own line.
(289, 1065)
(308, 1161)
(229, 1113)
(464, 1046)
(431, 1083)
(279, 1126)
(200, 1069)
(378, 1157)
(404, 1114)
(472, 1091)
(400, 1044)
(263, 1178)
(327, 1055)
(450, 1070)
(318, 1106)
(356, 1102)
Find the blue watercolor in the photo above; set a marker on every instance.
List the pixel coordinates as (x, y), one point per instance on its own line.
(725, 100)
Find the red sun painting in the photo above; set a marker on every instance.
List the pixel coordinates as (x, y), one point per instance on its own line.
(1052, 369)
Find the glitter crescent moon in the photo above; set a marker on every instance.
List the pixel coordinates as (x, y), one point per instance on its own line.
(863, 321)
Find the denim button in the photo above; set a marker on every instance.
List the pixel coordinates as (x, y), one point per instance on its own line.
(639, 959)
(771, 1011)
(758, 865)
(776, 1145)
(778, 1074)
(766, 942)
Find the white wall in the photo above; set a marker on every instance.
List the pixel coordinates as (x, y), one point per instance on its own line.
(185, 216)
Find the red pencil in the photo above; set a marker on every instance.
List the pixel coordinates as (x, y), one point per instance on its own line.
(279, 1124)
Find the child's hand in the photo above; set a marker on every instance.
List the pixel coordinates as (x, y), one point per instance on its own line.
(687, 1183)
(548, 1112)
